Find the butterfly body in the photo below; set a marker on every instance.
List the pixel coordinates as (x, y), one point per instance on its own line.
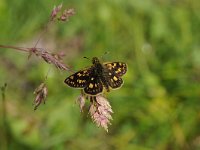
(98, 77)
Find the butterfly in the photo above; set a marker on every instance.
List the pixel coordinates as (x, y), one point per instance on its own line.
(99, 77)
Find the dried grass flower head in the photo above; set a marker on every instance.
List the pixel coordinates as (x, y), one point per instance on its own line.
(41, 93)
(100, 110)
(64, 15)
(55, 11)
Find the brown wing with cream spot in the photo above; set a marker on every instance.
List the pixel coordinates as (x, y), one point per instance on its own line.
(117, 68)
(78, 79)
(114, 71)
(94, 86)
(114, 81)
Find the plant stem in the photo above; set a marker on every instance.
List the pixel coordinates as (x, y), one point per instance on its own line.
(4, 128)
(16, 48)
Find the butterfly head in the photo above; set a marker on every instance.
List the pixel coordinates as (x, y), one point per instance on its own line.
(95, 60)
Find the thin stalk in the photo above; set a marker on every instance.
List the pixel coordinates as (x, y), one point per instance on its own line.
(16, 48)
(4, 128)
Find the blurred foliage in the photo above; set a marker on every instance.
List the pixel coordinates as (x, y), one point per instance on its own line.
(158, 106)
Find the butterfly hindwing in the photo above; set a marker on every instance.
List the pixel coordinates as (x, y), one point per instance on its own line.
(78, 79)
(116, 68)
(114, 81)
(94, 86)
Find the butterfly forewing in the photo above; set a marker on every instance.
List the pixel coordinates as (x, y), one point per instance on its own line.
(116, 68)
(94, 86)
(78, 79)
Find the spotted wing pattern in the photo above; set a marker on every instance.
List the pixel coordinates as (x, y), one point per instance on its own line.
(94, 86)
(114, 71)
(93, 83)
(78, 79)
(114, 81)
(116, 68)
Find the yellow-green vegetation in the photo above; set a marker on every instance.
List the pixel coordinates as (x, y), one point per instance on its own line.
(157, 108)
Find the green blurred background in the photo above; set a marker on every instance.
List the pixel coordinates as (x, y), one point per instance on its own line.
(158, 107)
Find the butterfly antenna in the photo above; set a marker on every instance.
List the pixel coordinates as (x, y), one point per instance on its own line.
(86, 58)
(106, 53)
